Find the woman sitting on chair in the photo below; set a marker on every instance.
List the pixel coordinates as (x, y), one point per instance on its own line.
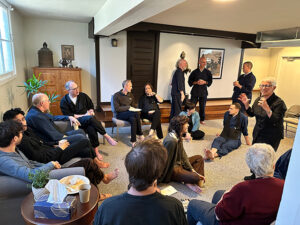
(179, 167)
(150, 110)
(194, 120)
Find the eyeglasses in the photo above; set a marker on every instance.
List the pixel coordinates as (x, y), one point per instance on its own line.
(265, 85)
(73, 89)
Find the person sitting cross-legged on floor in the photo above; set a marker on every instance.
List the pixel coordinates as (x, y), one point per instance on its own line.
(124, 105)
(234, 123)
(252, 202)
(142, 203)
(80, 105)
(43, 126)
(15, 164)
(179, 167)
(194, 120)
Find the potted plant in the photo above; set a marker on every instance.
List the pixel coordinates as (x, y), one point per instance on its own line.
(39, 180)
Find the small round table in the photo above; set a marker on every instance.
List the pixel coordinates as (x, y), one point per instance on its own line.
(84, 214)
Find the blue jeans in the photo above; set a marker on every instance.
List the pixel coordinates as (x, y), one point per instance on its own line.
(203, 211)
(225, 146)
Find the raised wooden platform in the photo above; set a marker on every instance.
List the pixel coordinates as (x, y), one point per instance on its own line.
(215, 109)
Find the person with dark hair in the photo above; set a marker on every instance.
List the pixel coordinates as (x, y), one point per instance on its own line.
(80, 106)
(179, 167)
(35, 149)
(123, 102)
(235, 123)
(14, 163)
(148, 103)
(244, 84)
(178, 88)
(142, 203)
(200, 79)
(249, 202)
(194, 120)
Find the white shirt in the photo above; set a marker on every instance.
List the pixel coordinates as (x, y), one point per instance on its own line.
(74, 100)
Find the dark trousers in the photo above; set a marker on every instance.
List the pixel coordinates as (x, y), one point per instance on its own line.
(92, 127)
(92, 171)
(182, 175)
(197, 135)
(273, 141)
(203, 211)
(134, 119)
(156, 124)
(225, 146)
(175, 106)
(202, 104)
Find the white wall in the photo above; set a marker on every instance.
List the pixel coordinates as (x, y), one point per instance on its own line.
(171, 45)
(57, 33)
(112, 65)
(261, 63)
(10, 95)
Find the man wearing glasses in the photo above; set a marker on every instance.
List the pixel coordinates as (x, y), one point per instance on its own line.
(269, 111)
(244, 84)
(80, 106)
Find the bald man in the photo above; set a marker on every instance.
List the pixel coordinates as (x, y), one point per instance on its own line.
(178, 88)
(199, 80)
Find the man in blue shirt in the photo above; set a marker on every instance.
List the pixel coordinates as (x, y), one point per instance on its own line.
(234, 123)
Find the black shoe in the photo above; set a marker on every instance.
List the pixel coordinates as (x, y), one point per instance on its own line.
(250, 177)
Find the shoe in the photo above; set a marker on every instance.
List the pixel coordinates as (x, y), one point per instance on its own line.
(252, 177)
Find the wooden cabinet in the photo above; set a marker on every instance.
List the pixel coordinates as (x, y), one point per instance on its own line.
(57, 77)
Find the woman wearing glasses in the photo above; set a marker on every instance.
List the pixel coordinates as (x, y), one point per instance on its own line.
(269, 111)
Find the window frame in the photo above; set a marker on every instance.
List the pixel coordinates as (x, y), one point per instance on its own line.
(5, 77)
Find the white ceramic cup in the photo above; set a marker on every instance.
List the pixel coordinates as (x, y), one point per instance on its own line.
(84, 193)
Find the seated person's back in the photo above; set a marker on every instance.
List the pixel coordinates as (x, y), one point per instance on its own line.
(142, 204)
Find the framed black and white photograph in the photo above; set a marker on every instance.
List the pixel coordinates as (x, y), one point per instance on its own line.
(214, 58)
(67, 52)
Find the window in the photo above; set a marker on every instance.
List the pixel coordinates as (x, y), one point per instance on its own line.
(6, 43)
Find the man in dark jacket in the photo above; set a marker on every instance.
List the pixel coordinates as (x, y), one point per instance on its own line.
(43, 124)
(244, 84)
(178, 88)
(35, 149)
(200, 79)
(79, 105)
(123, 103)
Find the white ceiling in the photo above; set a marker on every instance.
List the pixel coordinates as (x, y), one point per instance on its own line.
(70, 10)
(249, 16)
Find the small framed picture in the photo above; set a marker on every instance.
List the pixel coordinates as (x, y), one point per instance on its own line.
(214, 59)
(67, 52)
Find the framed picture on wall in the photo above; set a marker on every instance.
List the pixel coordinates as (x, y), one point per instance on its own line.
(67, 52)
(214, 58)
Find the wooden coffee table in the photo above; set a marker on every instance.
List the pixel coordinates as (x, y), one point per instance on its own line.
(84, 214)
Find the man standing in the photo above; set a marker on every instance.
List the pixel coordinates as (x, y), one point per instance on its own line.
(244, 84)
(178, 88)
(80, 106)
(124, 104)
(200, 79)
(142, 203)
(235, 123)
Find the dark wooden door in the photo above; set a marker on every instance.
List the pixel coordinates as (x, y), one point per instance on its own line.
(142, 60)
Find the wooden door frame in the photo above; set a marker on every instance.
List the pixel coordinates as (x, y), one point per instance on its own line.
(156, 55)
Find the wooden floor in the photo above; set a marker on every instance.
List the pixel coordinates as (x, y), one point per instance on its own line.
(215, 109)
